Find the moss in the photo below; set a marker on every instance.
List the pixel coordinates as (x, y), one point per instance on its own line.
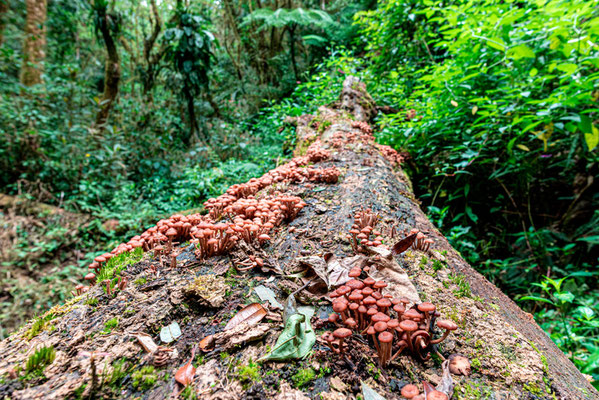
(188, 393)
(38, 361)
(303, 377)
(144, 378)
(140, 281)
(475, 363)
(469, 390)
(248, 374)
(114, 266)
(91, 301)
(111, 324)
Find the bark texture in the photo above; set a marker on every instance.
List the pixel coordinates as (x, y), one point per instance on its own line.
(34, 47)
(512, 357)
(3, 12)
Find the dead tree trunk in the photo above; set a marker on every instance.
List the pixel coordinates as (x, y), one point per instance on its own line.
(511, 357)
(34, 47)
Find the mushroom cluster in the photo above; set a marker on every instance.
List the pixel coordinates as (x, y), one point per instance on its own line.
(363, 126)
(421, 242)
(316, 152)
(391, 154)
(392, 325)
(363, 227)
(411, 392)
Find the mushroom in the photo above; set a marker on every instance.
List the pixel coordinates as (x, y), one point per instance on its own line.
(409, 326)
(410, 391)
(459, 365)
(448, 326)
(385, 340)
(341, 334)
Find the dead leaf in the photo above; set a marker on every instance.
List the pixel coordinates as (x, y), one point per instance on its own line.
(266, 294)
(210, 290)
(403, 244)
(146, 341)
(240, 335)
(207, 344)
(286, 392)
(318, 266)
(186, 373)
(399, 284)
(250, 314)
(338, 269)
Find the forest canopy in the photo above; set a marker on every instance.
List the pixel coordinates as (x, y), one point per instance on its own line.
(119, 112)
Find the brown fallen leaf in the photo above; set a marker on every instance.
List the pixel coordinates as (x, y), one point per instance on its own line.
(250, 314)
(207, 344)
(403, 244)
(186, 373)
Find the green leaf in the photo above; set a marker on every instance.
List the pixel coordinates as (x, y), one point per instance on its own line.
(296, 340)
(565, 297)
(592, 138)
(496, 43)
(520, 51)
(568, 68)
(536, 298)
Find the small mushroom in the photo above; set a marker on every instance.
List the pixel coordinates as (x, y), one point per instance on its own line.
(410, 391)
(459, 365)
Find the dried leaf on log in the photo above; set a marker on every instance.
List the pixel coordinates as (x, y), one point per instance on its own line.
(266, 294)
(404, 244)
(250, 314)
(186, 373)
(146, 341)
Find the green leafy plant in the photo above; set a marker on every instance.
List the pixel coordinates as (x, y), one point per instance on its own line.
(144, 378)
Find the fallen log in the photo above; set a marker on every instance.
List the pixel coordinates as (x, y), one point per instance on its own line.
(105, 339)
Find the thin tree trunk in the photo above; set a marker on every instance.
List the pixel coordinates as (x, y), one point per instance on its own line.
(191, 114)
(34, 51)
(292, 51)
(3, 12)
(112, 71)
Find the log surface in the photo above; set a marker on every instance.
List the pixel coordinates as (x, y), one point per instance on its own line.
(512, 357)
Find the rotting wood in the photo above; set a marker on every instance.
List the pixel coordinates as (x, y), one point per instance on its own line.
(511, 356)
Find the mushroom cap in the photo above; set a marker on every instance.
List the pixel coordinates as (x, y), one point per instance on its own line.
(333, 317)
(355, 284)
(399, 308)
(385, 337)
(367, 291)
(369, 301)
(171, 232)
(350, 322)
(380, 326)
(369, 281)
(426, 307)
(339, 306)
(264, 236)
(459, 365)
(447, 324)
(436, 395)
(100, 259)
(355, 296)
(392, 323)
(342, 333)
(370, 330)
(354, 272)
(410, 391)
(380, 284)
(412, 314)
(90, 276)
(383, 303)
(408, 325)
(343, 290)
(354, 306)
(379, 316)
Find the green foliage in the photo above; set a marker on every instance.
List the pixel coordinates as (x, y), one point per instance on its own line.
(249, 374)
(498, 111)
(39, 360)
(144, 378)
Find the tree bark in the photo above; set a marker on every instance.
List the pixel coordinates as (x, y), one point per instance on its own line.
(512, 357)
(34, 47)
(112, 69)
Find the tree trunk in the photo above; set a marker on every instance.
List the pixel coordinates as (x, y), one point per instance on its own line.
(512, 358)
(191, 114)
(112, 70)
(34, 47)
(291, 31)
(3, 12)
